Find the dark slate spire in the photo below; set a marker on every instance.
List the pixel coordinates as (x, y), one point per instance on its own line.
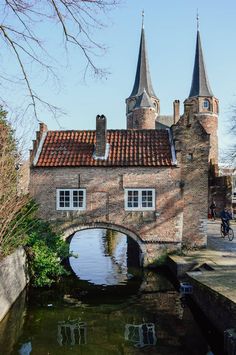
(200, 85)
(142, 79)
(144, 100)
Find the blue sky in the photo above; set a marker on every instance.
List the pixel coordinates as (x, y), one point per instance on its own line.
(170, 28)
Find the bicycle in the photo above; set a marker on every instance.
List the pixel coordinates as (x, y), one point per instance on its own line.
(226, 230)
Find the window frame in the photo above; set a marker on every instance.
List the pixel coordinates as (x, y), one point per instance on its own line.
(140, 207)
(206, 104)
(71, 195)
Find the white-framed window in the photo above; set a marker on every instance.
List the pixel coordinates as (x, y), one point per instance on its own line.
(206, 104)
(139, 199)
(71, 199)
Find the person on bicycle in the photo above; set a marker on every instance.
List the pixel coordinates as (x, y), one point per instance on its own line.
(225, 216)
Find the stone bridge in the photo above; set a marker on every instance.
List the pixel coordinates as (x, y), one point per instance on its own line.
(149, 251)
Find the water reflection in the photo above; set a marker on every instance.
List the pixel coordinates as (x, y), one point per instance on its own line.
(26, 349)
(113, 313)
(71, 332)
(11, 326)
(141, 335)
(149, 320)
(102, 256)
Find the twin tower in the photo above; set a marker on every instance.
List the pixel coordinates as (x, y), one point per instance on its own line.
(143, 106)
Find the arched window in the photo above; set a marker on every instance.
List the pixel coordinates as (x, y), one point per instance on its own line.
(206, 104)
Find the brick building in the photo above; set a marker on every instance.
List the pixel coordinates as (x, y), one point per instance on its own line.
(149, 180)
(223, 188)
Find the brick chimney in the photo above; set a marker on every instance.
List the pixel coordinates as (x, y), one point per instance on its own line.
(176, 111)
(101, 136)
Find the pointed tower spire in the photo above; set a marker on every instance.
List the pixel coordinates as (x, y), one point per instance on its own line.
(200, 84)
(142, 97)
(202, 105)
(142, 78)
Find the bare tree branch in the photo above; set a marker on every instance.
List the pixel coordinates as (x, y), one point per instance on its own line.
(20, 24)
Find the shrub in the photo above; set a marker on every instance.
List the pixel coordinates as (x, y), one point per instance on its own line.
(46, 250)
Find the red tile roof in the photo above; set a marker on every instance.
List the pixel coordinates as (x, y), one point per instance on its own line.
(127, 148)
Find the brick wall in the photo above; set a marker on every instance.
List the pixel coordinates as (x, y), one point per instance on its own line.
(181, 194)
(192, 148)
(208, 118)
(220, 190)
(105, 200)
(142, 118)
(210, 124)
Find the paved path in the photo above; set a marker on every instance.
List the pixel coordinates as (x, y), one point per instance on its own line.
(213, 275)
(220, 253)
(214, 240)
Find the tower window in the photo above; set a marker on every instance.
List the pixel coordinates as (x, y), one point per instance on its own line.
(206, 104)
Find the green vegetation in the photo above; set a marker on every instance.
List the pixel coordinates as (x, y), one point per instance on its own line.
(160, 261)
(19, 225)
(46, 250)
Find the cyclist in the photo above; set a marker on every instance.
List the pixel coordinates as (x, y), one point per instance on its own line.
(225, 216)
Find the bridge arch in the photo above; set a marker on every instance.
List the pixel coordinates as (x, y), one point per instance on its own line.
(68, 233)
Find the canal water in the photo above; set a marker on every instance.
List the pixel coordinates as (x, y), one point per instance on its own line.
(107, 306)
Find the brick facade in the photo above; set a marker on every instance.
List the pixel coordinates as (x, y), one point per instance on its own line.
(220, 190)
(208, 117)
(142, 118)
(158, 229)
(181, 195)
(210, 124)
(192, 151)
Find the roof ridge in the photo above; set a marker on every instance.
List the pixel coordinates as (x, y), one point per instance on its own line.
(108, 130)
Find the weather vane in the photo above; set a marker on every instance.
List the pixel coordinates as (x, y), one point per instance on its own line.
(143, 19)
(197, 17)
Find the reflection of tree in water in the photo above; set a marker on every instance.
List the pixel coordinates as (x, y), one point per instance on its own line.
(110, 241)
(116, 249)
(102, 256)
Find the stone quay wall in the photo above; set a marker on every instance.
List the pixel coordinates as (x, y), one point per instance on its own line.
(13, 279)
(220, 310)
